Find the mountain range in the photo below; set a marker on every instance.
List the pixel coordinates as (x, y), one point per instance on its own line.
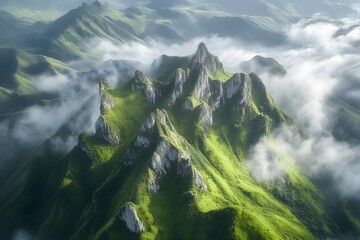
(167, 160)
(116, 149)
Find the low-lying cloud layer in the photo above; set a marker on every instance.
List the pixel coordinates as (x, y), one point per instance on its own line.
(323, 65)
(322, 59)
(74, 110)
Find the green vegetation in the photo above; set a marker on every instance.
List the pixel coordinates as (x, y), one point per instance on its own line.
(206, 192)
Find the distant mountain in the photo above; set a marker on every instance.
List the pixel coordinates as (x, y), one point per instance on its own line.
(17, 84)
(68, 37)
(72, 31)
(64, 5)
(9, 27)
(257, 7)
(19, 25)
(260, 65)
(168, 160)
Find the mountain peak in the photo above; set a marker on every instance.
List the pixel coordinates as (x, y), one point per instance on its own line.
(202, 46)
(90, 8)
(201, 53)
(207, 60)
(139, 75)
(147, 86)
(97, 4)
(84, 5)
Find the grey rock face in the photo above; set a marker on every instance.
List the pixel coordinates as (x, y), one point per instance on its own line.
(141, 83)
(180, 79)
(202, 87)
(130, 217)
(163, 156)
(106, 102)
(184, 166)
(239, 86)
(188, 73)
(188, 105)
(141, 142)
(217, 94)
(146, 136)
(153, 184)
(199, 180)
(232, 86)
(206, 116)
(149, 123)
(242, 84)
(104, 131)
(166, 156)
(209, 61)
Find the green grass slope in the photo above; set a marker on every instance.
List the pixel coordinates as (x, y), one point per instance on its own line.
(69, 36)
(186, 177)
(66, 37)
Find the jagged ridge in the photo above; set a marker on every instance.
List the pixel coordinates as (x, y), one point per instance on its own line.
(169, 160)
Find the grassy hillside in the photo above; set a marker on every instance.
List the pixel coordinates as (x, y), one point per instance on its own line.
(70, 35)
(183, 170)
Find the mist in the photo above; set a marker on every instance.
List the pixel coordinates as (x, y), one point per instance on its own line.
(322, 65)
(322, 59)
(60, 120)
(21, 235)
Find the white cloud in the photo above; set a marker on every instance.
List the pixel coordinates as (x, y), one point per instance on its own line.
(264, 164)
(319, 57)
(317, 68)
(21, 235)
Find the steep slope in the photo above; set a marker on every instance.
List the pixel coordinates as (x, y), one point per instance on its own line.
(9, 27)
(74, 30)
(69, 36)
(18, 25)
(168, 161)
